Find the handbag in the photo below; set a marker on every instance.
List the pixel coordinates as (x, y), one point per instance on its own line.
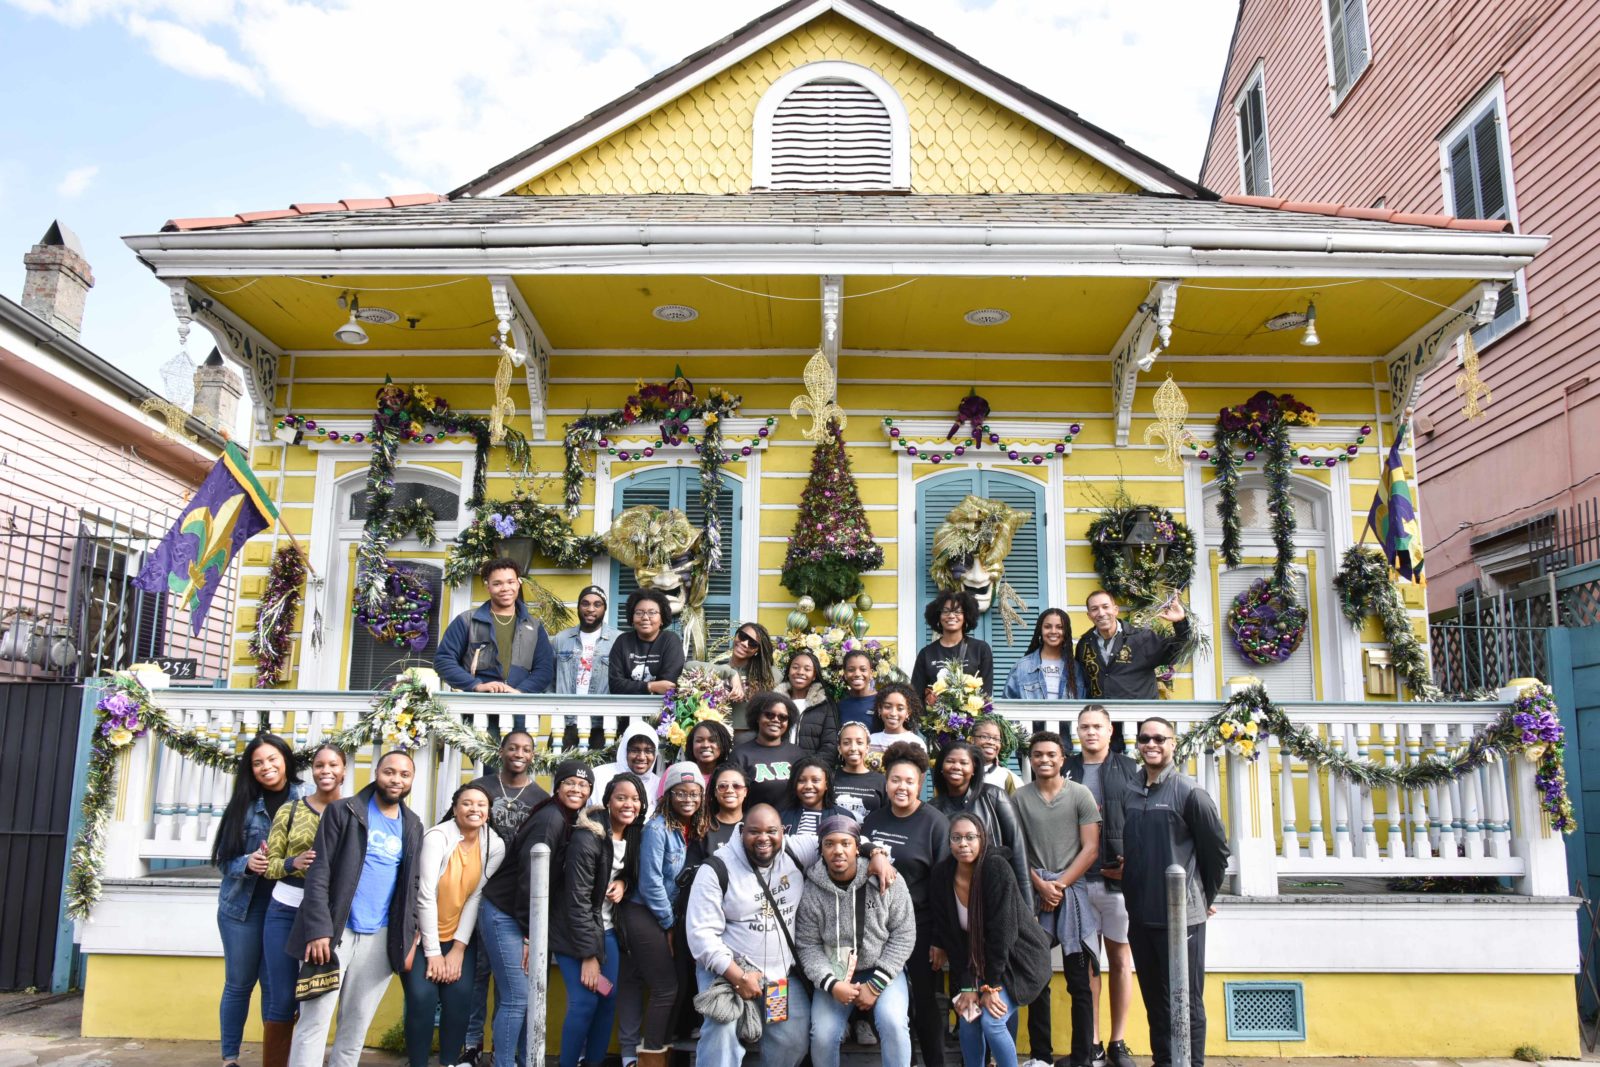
(317, 979)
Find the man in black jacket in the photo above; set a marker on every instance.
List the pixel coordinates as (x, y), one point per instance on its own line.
(1119, 661)
(1169, 819)
(360, 905)
(1110, 776)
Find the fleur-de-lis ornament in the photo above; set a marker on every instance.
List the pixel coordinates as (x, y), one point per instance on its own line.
(1473, 391)
(818, 399)
(503, 407)
(177, 418)
(1172, 407)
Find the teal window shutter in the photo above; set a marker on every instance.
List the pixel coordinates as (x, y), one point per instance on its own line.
(680, 488)
(1025, 566)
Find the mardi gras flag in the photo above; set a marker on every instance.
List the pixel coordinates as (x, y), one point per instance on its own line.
(1393, 517)
(228, 509)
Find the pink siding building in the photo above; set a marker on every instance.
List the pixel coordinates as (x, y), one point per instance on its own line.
(86, 486)
(1470, 109)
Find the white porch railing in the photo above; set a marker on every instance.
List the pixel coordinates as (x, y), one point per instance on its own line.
(1284, 817)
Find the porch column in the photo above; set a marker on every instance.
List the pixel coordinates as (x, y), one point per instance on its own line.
(1250, 819)
(1542, 850)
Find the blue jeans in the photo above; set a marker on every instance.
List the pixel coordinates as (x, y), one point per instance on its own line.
(988, 1031)
(279, 970)
(586, 1033)
(783, 1044)
(829, 1019)
(241, 968)
(480, 992)
(452, 1002)
(502, 943)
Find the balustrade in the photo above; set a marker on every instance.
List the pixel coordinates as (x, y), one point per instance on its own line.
(1486, 823)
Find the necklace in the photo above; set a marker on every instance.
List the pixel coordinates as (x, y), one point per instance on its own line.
(505, 791)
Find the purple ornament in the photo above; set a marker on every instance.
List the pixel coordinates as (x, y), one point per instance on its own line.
(894, 431)
(1205, 454)
(1305, 460)
(1249, 456)
(648, 451)
(698, 449)
(359, 438)
(427, 438)
(623, 456)
(1012, 454)
(764, 431)
(961, 450)
(745, 451)
(1074, 429)
(1351, 450)
(911, 450)
(994, 439)
(310, 424)
(936, 459)
(604, 443)
(1037, 460)
(1061, 450)
(1365, 430)
(1330, 461)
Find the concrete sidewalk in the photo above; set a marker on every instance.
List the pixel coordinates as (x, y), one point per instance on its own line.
(38, 1030)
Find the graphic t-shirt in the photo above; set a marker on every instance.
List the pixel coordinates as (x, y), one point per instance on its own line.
(767, 770)
(369, 911)
(860, 794)
(1051, 669)
(587, 642)
(915, 843)
(509, 808)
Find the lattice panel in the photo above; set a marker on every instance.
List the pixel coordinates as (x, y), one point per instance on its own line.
(1265, 1011)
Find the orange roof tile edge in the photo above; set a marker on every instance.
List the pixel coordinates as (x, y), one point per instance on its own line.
(216, 223)
(1371, 214)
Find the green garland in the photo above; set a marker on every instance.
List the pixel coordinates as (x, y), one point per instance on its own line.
(522, 516)
(403, 717)
(1529, 728)
(1365, 587)
(1143, 582)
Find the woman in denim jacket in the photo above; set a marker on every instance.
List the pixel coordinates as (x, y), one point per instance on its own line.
(264, 782)
(1050, 648)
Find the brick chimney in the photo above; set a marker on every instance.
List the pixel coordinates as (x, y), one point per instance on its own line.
(216, 393)
(58, 280)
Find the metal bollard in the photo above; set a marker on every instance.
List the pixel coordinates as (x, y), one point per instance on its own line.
(1178, 963)
(538, 952)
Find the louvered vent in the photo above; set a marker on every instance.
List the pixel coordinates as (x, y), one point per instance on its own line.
(831, 134)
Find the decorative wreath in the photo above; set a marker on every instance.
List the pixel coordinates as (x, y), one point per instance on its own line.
(1266, 626)
(1153, 575)
(400, 617)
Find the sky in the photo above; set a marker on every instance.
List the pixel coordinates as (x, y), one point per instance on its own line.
(120, 114)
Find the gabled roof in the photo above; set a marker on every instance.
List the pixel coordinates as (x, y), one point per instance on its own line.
(697, 68)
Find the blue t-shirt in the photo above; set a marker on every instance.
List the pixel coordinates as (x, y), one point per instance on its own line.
(857, 709)
(369, 911)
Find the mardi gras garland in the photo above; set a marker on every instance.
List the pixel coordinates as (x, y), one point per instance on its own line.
(387, 596)
(552, 537)
(1530, 728)
(1153, 578)
(1261, 426)
(1365, 587)
(270, 641)
(403, 717)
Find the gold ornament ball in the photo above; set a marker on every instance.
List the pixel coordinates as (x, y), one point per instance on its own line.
(807, 605)
(863, 603)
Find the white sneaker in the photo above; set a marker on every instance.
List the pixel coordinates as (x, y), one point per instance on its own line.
(1033, 1063)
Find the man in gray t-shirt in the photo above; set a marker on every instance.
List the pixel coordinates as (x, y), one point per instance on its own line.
(1061, 831)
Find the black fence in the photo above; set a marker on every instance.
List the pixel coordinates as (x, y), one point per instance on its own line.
(38, 751)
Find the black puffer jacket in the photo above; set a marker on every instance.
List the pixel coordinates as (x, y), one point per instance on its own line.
(818, 732)
(575, 926)
(1119, 775)
(1016, 950)
(508, 889)
(990, 803)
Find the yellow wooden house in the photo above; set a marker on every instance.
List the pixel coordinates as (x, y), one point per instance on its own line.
(834, 178)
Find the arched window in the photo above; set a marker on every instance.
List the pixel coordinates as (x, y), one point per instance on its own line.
(832, 126)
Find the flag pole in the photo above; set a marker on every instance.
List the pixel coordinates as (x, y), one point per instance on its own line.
(298, 547)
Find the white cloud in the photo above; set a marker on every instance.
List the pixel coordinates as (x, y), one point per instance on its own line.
(76, 180)
(450, 96)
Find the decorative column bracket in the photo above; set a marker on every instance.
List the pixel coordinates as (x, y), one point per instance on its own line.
(529, 341)
(1424, 350)
(239, 342)
(1146, 336)
(832, 319)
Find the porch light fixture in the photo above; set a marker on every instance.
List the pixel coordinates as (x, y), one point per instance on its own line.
(676, 313)
(351, 333)
(987, 316)
(1140, 534)
(1296, 320)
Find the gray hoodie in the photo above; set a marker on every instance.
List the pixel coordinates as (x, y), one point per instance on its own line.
(825, 928)
(739, 924)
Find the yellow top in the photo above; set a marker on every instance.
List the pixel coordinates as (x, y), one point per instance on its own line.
(462, 872)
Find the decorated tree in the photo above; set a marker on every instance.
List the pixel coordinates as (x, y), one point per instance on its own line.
(831, 546)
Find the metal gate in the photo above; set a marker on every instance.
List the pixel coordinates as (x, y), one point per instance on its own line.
(38, 753)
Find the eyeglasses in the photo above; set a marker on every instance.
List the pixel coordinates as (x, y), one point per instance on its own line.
(651, 613)
(981, 738)
(1153, 739)
(951, 613)
(745, 639)
(775, 716)
(965, 839)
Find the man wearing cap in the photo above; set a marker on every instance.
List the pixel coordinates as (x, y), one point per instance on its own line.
(853, 945)
(497, 647)
(583, 652)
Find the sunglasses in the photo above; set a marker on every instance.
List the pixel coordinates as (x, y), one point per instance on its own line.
(775, 716)
(1153, 739)
(745, 639)
(732, 787)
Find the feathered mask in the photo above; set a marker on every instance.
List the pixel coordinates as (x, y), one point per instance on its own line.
(659, 542)
(979, 530)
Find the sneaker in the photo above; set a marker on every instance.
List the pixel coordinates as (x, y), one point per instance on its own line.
(470, 1054)
(1034, 1063)
(863, 1033)
(1117, 1055)
(1098, 1056)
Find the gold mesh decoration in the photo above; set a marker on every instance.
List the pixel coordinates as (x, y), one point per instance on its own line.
(1473, 390)
(818, 399)
(502, 408)
(1172, 408)
(177, 418)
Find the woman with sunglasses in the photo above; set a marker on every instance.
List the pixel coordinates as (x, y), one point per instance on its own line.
(999, 954)
(726, 797)
(958, 787)
(952, 617)
(769, 756)
(817, 729)
(655, 952)
(747, 666)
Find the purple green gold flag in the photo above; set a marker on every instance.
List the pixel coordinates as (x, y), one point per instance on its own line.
(1394, 517)
(228, 509)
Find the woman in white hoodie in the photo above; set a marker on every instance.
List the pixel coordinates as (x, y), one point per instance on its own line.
(638, 753)
(458, 856)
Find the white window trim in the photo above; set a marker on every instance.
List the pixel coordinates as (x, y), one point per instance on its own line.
(899, 118)
(1258, 77)
(1336, 96)
(1492, 97)
(325, 666)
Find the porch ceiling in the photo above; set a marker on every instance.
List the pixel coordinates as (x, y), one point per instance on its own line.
(1215, 316)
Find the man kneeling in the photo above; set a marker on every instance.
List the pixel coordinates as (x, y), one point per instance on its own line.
(853, 944)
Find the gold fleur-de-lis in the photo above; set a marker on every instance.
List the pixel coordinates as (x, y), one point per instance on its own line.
(177, 418)
(818, 398)
(503, 407)
(1172, 407)
(1473, 391)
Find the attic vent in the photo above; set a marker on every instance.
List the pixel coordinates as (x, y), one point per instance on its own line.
(832, 133)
